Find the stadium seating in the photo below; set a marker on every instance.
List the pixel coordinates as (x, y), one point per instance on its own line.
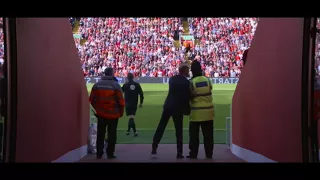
(221, 43)
(145, 46)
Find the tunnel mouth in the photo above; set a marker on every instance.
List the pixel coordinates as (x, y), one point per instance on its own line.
(155, 87)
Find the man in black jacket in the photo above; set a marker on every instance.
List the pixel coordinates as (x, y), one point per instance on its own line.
(131, 91)
(175, 106)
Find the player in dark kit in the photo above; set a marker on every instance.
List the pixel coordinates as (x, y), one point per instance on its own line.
(131, 91)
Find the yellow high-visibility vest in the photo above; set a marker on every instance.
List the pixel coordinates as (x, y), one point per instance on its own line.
(201, 105)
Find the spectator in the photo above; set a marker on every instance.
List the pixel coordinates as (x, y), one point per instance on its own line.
(143, 46)
(222, 42)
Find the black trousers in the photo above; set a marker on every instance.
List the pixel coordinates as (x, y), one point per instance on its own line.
(207, 131)
(112, 125)
(131, 110)
(178, 124)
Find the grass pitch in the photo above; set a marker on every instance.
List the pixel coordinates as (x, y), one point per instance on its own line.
(148, 116)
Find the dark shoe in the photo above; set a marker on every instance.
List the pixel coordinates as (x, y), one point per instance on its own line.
(154, 151)
(99, 156)
(179, 156)
(192, 157)
(135, 134)
(127, 133)
(111, 156)
(209, 157)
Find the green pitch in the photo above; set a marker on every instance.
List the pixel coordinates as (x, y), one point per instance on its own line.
(148, 116)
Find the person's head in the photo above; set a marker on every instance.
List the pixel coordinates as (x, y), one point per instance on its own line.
(184, 69)
(196, 68)
(130, 77)
(108, 71)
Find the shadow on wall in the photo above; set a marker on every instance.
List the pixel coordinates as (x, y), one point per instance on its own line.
(53, 108)
(266, 104)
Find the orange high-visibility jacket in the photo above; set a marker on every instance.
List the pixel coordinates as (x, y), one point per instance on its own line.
(106, 97)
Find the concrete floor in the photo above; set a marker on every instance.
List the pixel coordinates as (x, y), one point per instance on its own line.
(135, 153)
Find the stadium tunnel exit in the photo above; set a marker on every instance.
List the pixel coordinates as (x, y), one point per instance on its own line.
(47, 110)
(272, 106)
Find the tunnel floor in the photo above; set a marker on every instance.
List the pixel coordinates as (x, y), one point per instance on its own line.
(166, 153)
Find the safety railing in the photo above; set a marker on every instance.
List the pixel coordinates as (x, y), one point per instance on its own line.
(229, 128)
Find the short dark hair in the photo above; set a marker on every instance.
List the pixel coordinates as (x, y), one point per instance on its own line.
(182, 67)
(196, 68)
(108, 71)
(130, 76)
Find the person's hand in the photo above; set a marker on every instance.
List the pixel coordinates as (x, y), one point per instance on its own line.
(140, 106)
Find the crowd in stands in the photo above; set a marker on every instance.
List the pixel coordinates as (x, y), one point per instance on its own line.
(222, 42)
(145, 46)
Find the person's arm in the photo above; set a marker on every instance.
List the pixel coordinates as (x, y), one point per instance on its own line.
(120, 98)
(140, 92)
(93, 97)
(123, 88)
(171, 85)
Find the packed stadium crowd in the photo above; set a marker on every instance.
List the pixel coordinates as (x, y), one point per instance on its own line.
(222, 42)
(145, 46)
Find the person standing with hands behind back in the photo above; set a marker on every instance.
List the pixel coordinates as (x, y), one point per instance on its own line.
(201, 112)
(131, 91)
(107, 100)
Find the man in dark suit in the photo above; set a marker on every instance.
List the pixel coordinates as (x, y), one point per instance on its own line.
(176, 105)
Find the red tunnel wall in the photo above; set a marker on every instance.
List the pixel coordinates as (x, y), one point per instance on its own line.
(53, 109)
(266, 105)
